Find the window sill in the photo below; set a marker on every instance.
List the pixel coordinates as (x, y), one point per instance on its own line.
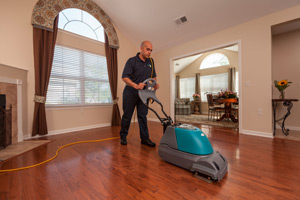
(72, 107)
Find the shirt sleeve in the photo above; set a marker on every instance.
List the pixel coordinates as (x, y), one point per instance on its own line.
(127, 72)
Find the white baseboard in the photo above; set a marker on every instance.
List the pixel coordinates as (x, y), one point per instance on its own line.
(257, 133)
(154, 120)
(149, 119)
(292, 128)
(68, 130)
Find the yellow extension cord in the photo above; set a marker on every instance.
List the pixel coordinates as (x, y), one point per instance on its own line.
(57, 151)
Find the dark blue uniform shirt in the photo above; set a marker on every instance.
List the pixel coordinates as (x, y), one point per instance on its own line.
(137, 70)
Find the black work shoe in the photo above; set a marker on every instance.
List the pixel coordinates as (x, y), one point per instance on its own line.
(148, 142)
(123, 141)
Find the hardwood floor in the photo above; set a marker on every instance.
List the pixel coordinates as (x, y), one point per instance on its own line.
(259, 168)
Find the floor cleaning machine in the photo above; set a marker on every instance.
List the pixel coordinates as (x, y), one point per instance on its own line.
(185, 145)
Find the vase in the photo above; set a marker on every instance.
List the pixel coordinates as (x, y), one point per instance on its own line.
(281, 94)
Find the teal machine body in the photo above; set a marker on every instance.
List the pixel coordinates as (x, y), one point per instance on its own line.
(185, 145)
(192, 141)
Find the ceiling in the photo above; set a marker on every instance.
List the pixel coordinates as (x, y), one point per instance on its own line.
(155, 20)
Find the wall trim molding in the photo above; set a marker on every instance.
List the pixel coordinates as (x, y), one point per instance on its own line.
(68, 130)
(256, 133)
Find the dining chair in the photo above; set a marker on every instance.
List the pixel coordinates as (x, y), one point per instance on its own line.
(235, 109)
(214, 111)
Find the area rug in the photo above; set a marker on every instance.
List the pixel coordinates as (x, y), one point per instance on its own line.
(20, 147)
(202, 119)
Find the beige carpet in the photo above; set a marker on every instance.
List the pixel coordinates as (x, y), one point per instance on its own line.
(19, 148)
(202, 119)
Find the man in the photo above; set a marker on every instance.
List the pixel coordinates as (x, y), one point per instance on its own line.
(137, 69)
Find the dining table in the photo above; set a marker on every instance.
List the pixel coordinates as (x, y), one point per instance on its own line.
(228, 108)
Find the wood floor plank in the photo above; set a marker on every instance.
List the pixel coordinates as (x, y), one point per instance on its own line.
(258, 168)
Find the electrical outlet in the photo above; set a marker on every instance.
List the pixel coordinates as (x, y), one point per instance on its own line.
(259, 111)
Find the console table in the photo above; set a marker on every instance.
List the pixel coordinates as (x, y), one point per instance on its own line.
(286, 103)
(196, 107)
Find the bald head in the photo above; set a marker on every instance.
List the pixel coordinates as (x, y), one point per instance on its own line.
(146, 42)
(146, 50)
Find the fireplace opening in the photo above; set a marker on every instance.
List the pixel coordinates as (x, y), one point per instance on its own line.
(5, 123)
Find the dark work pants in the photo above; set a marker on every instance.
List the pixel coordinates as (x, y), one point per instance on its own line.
(131, 100)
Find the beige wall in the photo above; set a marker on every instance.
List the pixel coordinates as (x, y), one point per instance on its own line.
(286, 65)
(16, 50)
(254, 38)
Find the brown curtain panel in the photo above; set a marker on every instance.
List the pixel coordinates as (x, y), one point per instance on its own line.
(197, 83)
(112, 69)
(231, 79)
(177, 87)
(43, 47)
(197, 87)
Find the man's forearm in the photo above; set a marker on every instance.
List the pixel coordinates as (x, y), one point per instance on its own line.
(129, 82)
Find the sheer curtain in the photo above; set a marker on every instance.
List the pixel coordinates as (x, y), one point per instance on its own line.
(43, 47)
(112, 69)
(187, 87)
(213, 84)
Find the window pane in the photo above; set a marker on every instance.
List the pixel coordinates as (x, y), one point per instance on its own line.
(214, 60)
(187, 87)
(62, 20)
(105, 93)
(72, 14)
(213, 84)
(55, 91)
(95, 67)
(92, 92)
(81, 29)
(97, 92)
(81, 23)
(100, 34)
(71, 91)
(90, 20)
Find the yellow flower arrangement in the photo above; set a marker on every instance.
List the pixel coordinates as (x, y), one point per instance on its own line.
(281, 85)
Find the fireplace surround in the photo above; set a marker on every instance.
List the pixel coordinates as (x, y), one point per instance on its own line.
(12, 88)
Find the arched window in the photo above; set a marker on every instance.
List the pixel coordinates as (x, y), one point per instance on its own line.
(78, 77)
(214, 60)
(82, 23)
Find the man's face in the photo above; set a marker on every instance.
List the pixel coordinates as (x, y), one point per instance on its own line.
(146, 50)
